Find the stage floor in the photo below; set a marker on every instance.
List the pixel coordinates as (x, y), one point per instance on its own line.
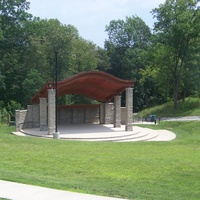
(99, 132)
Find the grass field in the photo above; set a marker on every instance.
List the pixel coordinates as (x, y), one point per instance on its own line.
(188, 107)
(141, 170)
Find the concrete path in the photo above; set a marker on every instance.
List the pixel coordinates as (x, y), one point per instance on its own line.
(17, 191)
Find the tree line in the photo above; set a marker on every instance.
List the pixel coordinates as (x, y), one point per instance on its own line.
(164, 61)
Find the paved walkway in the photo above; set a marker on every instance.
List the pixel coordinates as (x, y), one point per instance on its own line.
(17, 191)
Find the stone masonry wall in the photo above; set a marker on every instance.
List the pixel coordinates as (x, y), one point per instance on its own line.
(66, 115)
(27, 118)
(78, 114)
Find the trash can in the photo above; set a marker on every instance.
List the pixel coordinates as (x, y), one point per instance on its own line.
(152, 118)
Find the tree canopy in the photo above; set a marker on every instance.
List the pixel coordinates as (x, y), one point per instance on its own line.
(27, 52)
(164, 61)
(176, 29)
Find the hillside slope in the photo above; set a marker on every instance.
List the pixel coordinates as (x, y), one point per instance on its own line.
(188, 107)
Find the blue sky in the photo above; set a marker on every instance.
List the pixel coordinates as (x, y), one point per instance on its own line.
(91, 16)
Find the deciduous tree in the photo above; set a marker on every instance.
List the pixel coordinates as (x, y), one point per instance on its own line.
(176, 28)
(127, 46)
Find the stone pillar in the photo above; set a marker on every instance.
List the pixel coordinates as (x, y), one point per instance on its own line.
(30, 117)
(107, 113)
(129, 109)
(117, 111)
(43, 114)
(51, 111)
(102, 113)
(17, 120)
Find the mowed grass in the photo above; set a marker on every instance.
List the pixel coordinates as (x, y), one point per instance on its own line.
(140, 170)
(189, 107)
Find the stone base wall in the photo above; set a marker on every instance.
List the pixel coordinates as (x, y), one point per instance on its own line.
(27, 118)
(73, 114)
(123, 115)
(78, 114)
(20, 118)
(111, 110)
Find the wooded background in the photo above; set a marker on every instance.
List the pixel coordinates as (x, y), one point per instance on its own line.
(164, 62)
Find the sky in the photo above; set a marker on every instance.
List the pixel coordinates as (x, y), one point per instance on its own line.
(90, 17)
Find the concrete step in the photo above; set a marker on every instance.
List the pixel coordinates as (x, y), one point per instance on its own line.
(115, 139)
(103, 133)
(149, 136)
(146, 135)
(99, 136)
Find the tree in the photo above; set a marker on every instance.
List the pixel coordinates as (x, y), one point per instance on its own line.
(127, 46)
(12, 16)
(162, 75)
(28, 48)
(1, 32)
(83, 56)
(31, 85)
(45, 38)
(190, 79)
(103, 61)
(49, 37)
(176, 28)
(12, 49)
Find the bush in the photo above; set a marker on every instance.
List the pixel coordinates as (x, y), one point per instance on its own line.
(11, 107)
(8, 112)
(3, 115)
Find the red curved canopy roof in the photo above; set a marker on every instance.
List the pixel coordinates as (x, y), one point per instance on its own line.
(96, 85)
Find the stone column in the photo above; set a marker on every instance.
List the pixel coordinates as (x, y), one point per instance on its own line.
(129, 109)
(17, 120)
(51, 111)
(43, 114)
(117, 111)
(102, 113)
(107, 113)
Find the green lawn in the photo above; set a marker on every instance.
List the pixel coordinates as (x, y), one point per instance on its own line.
(189, 107)
(140, 170)
(3, 199)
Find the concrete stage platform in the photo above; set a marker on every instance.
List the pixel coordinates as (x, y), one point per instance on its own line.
(103, 133)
